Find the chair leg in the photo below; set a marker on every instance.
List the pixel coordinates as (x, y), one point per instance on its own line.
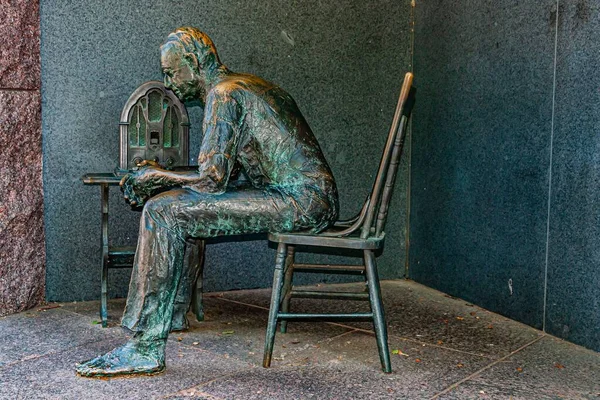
(377, 309)
(275, 301)
(366, 287)
(287, 285)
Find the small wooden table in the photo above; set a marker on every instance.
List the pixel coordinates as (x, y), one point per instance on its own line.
(112, 257)
(122, 256)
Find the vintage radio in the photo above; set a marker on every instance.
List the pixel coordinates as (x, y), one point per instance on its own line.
(154, 126)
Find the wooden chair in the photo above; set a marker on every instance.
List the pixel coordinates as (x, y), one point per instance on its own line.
(363, 232)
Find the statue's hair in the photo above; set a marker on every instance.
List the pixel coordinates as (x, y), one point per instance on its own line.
(193, 40)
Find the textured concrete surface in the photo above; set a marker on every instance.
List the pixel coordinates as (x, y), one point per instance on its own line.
(20, 45)
(573, 309)
(426, 316)
(548, 369)
(22, 254)
(341, 63)
(42, 331)
(187, 366)
(220, 358)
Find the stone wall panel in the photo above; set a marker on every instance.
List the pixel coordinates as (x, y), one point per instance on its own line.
(22, 260)
(20, 44)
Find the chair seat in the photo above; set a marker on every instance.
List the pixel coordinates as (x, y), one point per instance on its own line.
(347, 242)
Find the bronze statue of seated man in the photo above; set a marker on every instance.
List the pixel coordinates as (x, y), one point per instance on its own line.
(246, 120)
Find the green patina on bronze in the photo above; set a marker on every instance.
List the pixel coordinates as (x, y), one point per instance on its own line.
(289, 187)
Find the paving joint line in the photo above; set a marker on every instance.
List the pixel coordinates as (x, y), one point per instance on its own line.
(419, 342)
(479, 372)
(355, 329)
(52, 353)
(204, 383)
(202, 350)
(336, 284)
(339, 336)
(241, 302)
(61, 307)
(282, 367)
(442, 347)
(298, 351)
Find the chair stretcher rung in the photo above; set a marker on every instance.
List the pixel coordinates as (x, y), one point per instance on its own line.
(122, 249)
(325, 317)
(309, 294)
(117, 265)
(330, 269)
(121, 256)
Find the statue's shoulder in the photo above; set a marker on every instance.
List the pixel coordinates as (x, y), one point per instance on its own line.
(242, 83)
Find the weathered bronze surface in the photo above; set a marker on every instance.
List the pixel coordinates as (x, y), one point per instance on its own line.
(290, 187)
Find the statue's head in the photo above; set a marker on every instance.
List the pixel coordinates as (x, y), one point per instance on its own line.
(189, 60)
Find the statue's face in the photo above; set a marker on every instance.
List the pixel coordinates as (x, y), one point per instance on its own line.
(181, 76)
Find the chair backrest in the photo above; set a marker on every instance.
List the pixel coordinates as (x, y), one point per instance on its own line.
(154, 126)
(372, 218)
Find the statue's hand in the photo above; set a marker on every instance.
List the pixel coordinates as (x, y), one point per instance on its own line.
(149, 163)
(140, 185)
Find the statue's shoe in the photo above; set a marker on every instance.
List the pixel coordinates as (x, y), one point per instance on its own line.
(129, 359)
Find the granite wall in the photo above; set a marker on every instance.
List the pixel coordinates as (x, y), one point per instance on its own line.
(506, 159)
(342, 62)
(22, 269)
(573, 289)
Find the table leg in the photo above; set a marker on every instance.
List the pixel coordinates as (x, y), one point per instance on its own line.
(197, 303)
(104, 278)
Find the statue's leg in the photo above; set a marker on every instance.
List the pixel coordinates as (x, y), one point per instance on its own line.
(190, 274)
(157, 268)
(167, 220)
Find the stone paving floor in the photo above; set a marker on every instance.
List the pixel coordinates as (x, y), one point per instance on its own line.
(442, 348)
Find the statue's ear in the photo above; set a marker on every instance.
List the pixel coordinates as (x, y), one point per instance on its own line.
(192, 60)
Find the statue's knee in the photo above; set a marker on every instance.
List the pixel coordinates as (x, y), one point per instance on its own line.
(150, 207)
(157, 210)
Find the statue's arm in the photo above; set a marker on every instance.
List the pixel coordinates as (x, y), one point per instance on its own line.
(216, 158)
(218, 151)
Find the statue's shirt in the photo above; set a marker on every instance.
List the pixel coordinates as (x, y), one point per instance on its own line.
(255, 122)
